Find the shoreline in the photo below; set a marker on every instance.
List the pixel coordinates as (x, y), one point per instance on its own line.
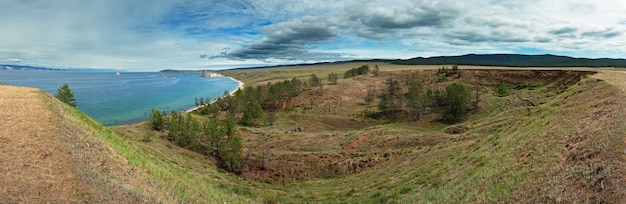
(231, 93)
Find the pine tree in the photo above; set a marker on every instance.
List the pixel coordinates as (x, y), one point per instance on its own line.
(315, 81)
(190, 136)
(173, 126)
(156, 121)
(213, 134)
(414, 102)
(389, 103)
(257, 111)
(247, 119)
(229, 126)
(457, 102)
(230, 153)
(65, 95)
(230, 150)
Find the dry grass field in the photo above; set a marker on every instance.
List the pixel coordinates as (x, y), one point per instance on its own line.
(616, 77)
(35, 165)
(48, 156)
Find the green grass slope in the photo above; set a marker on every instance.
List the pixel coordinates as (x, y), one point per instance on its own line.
(564, 146)
(568, 149)
(130, 170)
(556, 142)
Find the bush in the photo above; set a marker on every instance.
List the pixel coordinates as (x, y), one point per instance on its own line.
(441, 79)
(332, 78)
(315, 81)
(369, 98)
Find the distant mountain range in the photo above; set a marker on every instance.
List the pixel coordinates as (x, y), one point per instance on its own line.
(514, 60)
(33, 68)
(20, 67)
(507, 60)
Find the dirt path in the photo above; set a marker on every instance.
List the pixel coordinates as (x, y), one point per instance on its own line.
(35, 167)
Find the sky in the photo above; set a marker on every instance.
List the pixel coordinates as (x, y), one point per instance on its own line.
(150, 35)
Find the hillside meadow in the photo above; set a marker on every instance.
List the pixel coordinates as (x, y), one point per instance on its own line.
(557, 135)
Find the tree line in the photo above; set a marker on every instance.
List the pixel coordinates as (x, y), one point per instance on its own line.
(216, 135)
(362, 70)
(212, 137)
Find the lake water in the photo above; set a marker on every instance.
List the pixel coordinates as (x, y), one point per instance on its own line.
(128, 98)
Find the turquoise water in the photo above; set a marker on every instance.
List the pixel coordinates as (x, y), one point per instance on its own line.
(128, 98)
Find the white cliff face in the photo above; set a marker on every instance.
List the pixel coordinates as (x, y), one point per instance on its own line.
(211, 74)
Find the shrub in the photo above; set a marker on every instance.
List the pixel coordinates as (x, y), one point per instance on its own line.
(362, 70)
(501, 90)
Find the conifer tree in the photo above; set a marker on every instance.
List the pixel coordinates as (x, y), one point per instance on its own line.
(230, 150)
(156, 121)
(65, 95)
(414, 103)
(457, 102)
(315, 81)
(332, 78)
(213, 134)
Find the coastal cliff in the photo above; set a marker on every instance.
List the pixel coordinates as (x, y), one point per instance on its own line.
(211, 74)
(204, 73)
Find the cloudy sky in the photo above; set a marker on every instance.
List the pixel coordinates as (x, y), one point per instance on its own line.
(149, 35)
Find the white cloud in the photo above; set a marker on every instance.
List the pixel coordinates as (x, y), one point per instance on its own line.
(12, 61)
(153, 35)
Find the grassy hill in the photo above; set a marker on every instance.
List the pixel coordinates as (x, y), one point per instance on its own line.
(514, 60)
(558, 136)
(100, 164)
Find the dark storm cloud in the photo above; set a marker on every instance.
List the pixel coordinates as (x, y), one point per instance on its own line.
(575, 33)
(542, 39)
(603, 34)
(472, 37)
(290, 41)
(564, 31)
(376, 22)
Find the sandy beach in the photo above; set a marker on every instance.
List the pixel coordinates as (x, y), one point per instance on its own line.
(239, 86)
